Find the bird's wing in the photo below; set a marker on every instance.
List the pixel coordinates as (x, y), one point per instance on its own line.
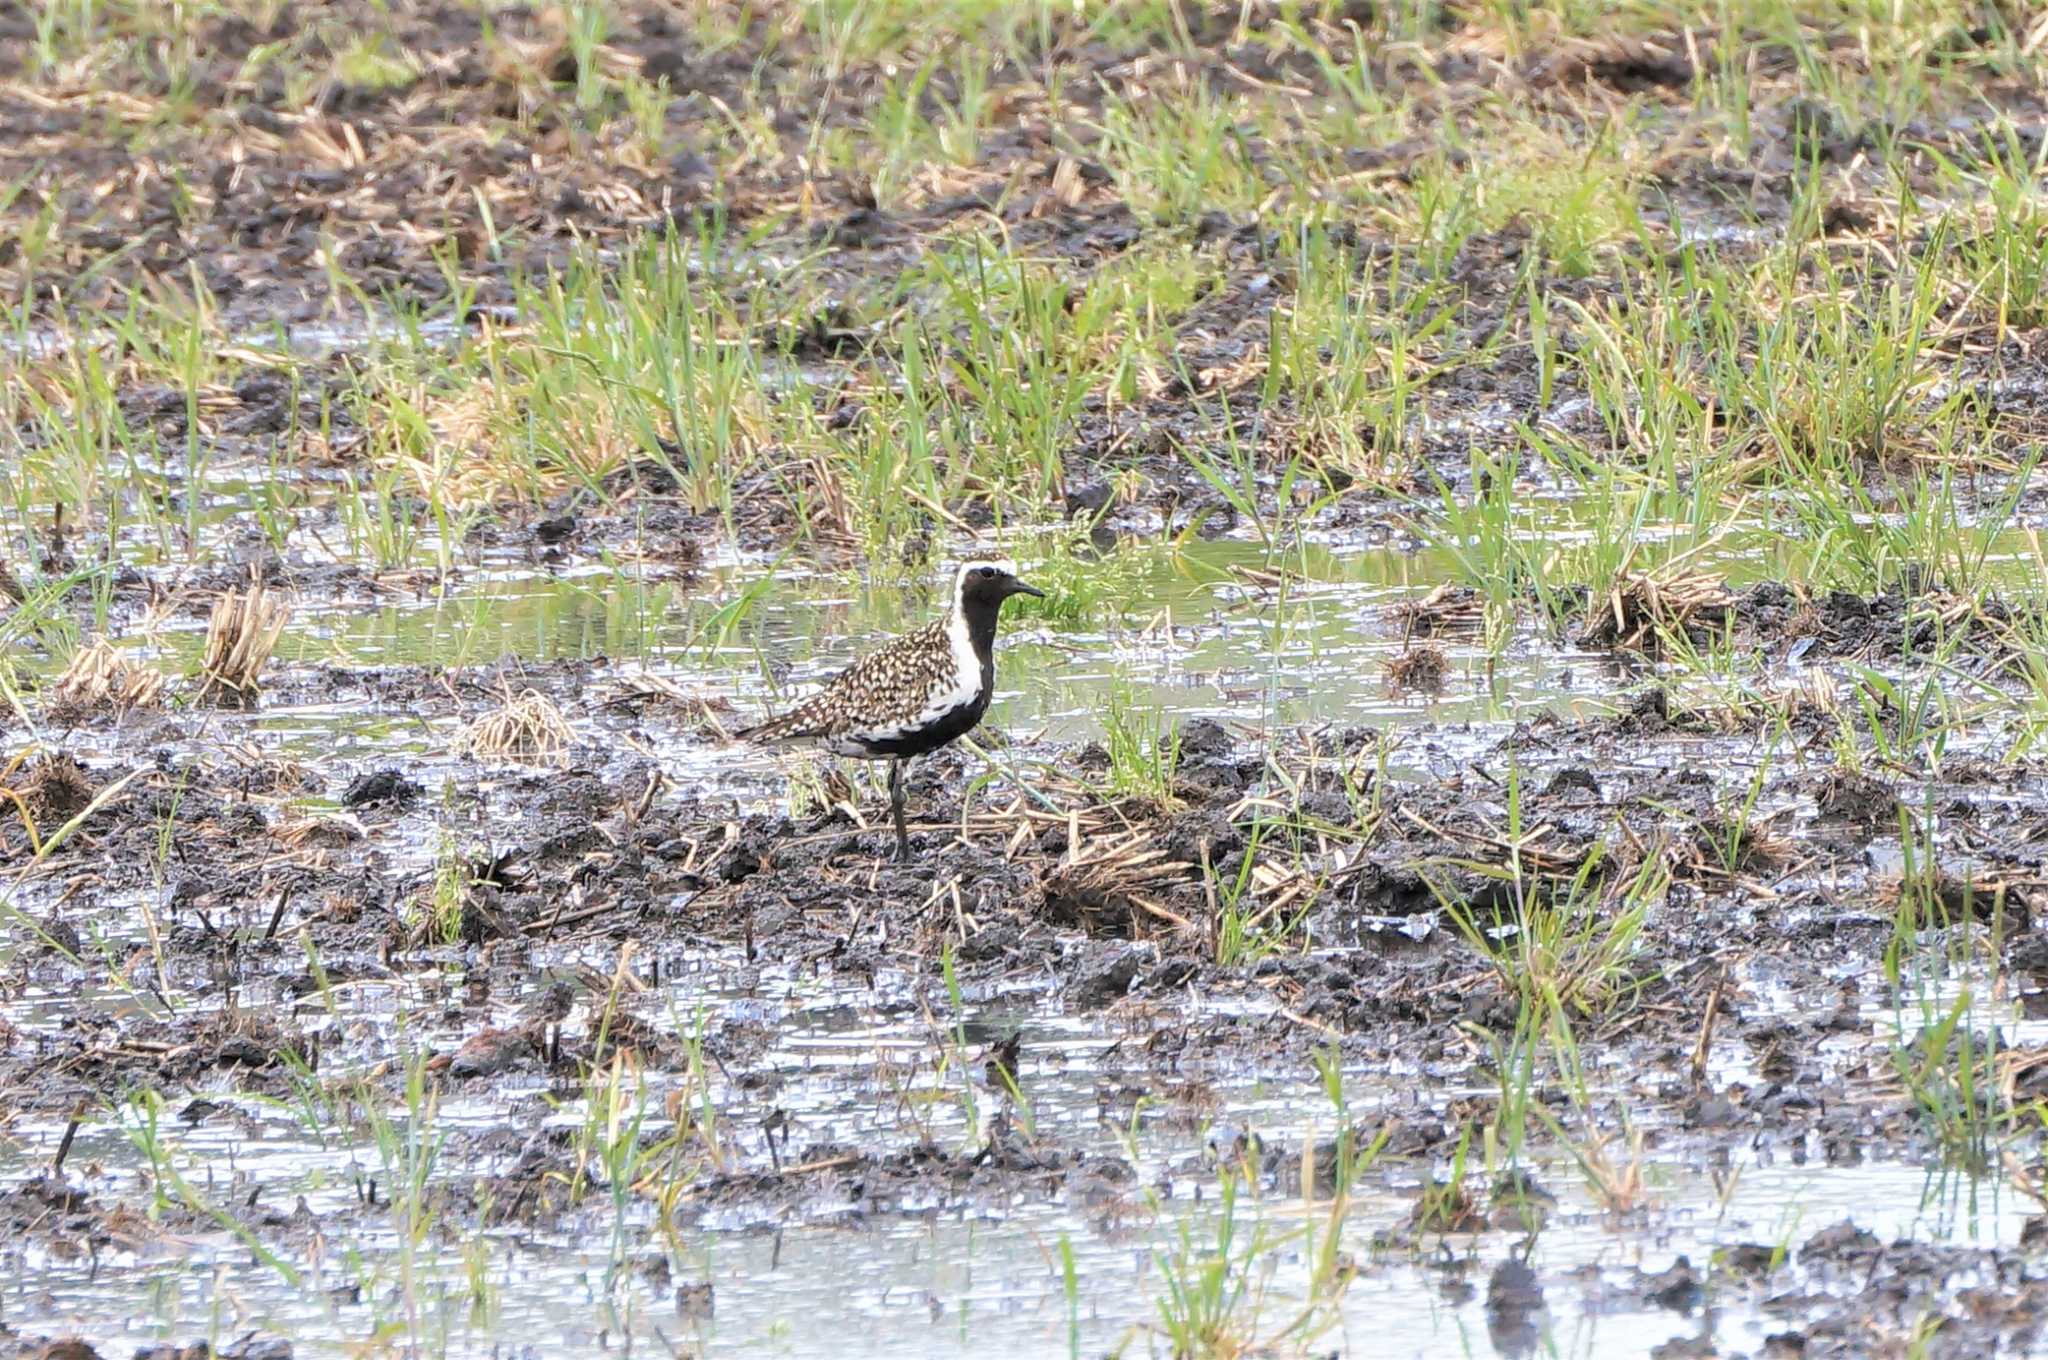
(887, 687)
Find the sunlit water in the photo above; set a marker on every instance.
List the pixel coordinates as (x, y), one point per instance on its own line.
(915, 1277)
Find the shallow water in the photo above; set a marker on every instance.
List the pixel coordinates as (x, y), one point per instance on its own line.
(931, 1277)
(945, 1286)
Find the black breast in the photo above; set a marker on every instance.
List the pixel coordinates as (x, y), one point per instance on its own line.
(948, 727)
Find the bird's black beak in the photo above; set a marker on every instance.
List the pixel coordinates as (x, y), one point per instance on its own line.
(1017, 587)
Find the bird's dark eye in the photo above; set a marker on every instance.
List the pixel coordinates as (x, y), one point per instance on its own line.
(988, 573)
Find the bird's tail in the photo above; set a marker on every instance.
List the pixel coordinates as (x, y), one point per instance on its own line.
(776, 731)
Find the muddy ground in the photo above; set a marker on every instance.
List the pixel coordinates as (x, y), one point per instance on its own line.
(243, 939)
(598, 901)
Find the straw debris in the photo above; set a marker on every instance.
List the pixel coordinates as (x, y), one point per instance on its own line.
(528, 727)
(1447, 609)
(101, 678)
(239, 640)
(1419, 668)
(1118, 886)
(1639, 605)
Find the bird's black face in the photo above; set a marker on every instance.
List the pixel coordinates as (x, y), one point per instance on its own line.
(985, 585)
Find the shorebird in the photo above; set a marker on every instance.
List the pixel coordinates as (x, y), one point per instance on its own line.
(913, 694)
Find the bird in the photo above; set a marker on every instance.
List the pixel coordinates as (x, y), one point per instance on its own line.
(913, 694)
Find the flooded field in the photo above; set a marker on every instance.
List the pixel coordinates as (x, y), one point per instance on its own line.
(1514, 829)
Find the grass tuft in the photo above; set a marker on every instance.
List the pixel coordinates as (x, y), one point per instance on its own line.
(1144, 750)
(239, 640)
(101, 678)
(528, 727)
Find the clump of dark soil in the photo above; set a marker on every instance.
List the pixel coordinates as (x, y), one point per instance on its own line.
(386, 786)
(1420, 667)
(52, 789)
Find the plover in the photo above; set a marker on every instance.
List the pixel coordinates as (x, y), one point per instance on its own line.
(913, 694)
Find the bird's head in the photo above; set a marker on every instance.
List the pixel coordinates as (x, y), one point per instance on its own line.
(984, 585)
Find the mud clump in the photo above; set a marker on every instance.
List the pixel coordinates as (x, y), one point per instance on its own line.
(1573, 781)
(1856, 799)
(491, 1052)
(1104, 974)
(244, 1039)
(1204, 740)
(386, 786)
(1419, 668)
(53, 789)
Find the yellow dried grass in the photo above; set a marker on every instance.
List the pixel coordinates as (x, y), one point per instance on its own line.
(100, 676)
(240, 637)
(528, 727)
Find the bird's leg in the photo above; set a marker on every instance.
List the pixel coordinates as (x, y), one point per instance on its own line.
(896, 807)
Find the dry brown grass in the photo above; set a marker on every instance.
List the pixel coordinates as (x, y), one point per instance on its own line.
(527, 727)
(101, 678)
(1639, 605)
(1447, 609)
(239, 640)
(478, 458)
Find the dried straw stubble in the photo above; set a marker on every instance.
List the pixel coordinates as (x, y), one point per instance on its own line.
(102, 678)
(528, 727)
(240, 637)
(1631, 612)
